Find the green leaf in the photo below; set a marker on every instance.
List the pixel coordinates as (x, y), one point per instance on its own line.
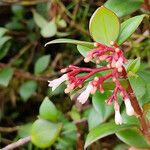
(70, 41)
(145, 75)
(4, 50)
(49, 29)
(133, 137)
(138, 86)
(39, 20)
(83, 50)
(3, 40)
(5, 76)
(104, 130)
(2, 31)
(128, 27)
(27, 89)
(94, 119)
(45, 133)
(100, 105)
(41, 64)
(123, 8)
(48, 110)
(104, 26)
(134, 65)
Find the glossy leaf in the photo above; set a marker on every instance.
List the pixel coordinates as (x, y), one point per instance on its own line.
(104, 26)
(138, 86)
(41, 64)
(100, 105)
(133, 137)
(45, 133)
(104, 130)
(27, 89)
(134, 65)
(123, 8)
(128, 27)
(48, 110)
(5, 76)
(70, 41)
(49, 29)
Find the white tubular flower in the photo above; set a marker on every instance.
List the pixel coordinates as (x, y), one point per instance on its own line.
(85, 94)
(129, 108)
(118, 118)
(55, 83)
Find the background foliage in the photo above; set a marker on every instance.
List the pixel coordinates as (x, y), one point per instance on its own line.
(26, 65)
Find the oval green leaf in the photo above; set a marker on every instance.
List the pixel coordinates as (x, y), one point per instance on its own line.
(48, 110)
(128, 27)
(104, 130)
(104, 26)
(100, 106)
(70, 41)
(44, 133)
(133, 138)
(41, 64)
(5, 76)
(27, 89)
(121, 8)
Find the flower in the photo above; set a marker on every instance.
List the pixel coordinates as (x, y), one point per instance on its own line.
(118, 118)
(129, 108)
(55, 83)
(85, 94)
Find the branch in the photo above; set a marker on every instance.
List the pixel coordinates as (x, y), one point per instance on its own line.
(17, 144)
(9, 129)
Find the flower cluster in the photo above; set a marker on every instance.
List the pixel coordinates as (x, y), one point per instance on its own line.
(115, 60)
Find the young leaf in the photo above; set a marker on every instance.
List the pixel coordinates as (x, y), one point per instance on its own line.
(49, 29)
(134, 65)
(39, 20)
(70, 41)
(45, 133)
(27, 89)
(104, 130)
(48, 110)
(128, 27)
(123, 8)
(133, 138)
(5, 76)
(101, 107)
(104, 26)
(41, 64)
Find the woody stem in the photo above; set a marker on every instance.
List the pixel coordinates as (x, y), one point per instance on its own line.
(138, 110)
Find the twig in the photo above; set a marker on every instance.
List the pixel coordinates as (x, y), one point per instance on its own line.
(17, 144)
(20, 73)
(9, 129)
(138, 110)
